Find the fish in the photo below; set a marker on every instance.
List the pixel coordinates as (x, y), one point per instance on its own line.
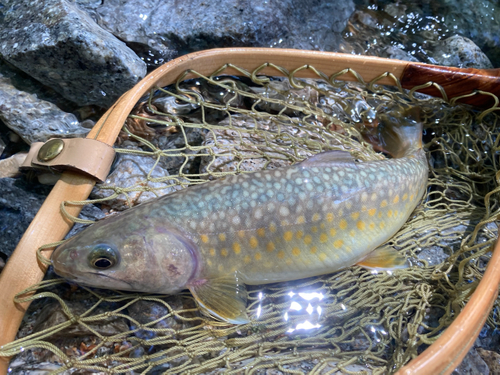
(326, 213)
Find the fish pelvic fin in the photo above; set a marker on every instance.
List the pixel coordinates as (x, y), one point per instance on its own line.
(384, 258)
(224, 298)
(399, 132)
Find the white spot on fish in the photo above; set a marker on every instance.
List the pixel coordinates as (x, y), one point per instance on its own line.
(284, 211)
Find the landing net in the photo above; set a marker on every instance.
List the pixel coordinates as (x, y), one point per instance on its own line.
(350, 321)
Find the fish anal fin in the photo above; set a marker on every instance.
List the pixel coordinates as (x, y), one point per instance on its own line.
(384, 258)
(224, 298)
(327, 158)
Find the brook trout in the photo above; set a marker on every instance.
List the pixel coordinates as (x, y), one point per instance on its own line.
(316, 217)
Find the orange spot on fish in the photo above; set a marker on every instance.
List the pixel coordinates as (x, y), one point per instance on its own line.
(323, 238)
(352, 233)
(212, 252)
(314, 249)
(343, 224)
(247, 259)
(333, 232)
(411, 197)
(329, 217)
(272, 227)
(382, 225)
(288, 236)
(322, 257)
(371, 226)
(281, 254)
(372, 211)
(361, 225)
(258, 256)
(261, 232)
(316, 217)
(396, 199)
(389, 213)
(405, 196)
(270, 247)
(224, 252)
(383, 203)
(301, 220)
(241, 233)
(296, 251)
(338, 244)
(355, 215)
(253, 242)
(299, 234)
(236, 248)
(307, 239)
(222, 237)
(204, 238)
(314, 229)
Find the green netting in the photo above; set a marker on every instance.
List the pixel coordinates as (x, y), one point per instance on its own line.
(351, 321)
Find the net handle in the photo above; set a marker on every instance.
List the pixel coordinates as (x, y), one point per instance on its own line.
(49, 225)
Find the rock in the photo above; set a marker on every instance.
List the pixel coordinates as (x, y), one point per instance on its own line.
(240, 148)
(392, 52)
(33, 119)
(60, 45)
(460, 52)
(145, 312)
(131, 173)
(434, 255)
(10, 167)
(491, 358)
(19, 203)
(53, 314)
(472, 364)
(477, 21)
(194, 25)
(89, 212)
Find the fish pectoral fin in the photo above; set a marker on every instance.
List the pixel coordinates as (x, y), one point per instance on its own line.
(384, 258)
(224, 298)
(328, 158)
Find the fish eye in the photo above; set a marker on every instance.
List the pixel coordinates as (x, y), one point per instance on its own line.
(103, 257)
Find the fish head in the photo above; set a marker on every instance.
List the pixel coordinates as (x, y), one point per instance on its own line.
(116, 254)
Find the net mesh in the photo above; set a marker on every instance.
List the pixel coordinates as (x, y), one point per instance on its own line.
(352, 321)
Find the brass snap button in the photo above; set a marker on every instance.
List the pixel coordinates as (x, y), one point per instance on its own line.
(50, 150)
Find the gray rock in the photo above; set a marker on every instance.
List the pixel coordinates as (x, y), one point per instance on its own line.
(19, 203)
(477, 21)
(35, 120)
(130, 173)
(196, 24)
(53, 314)
(472, 364)
(60, 45)
(460, 52)
(392, 52)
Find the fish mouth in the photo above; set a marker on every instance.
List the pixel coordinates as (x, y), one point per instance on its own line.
(118, 281)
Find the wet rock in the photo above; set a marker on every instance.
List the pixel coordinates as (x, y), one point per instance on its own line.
(53, 314)
(477, 21)
(472, 364)
(35, 120)
(240, 148)
(434, 255)
(60, 45)
(10, 167)
(130, 173)
(491, 358)
(168, 25)
(19, 203)
(89, 212)
(145, 312)
(460, 52)
(392, 52)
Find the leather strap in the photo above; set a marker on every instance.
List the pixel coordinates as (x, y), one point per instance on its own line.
(85, 155)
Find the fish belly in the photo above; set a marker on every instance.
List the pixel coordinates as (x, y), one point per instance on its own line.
(299, 222)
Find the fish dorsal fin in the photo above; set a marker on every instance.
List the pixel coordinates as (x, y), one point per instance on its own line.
(224, 298)
(328, 158)
(384, 258)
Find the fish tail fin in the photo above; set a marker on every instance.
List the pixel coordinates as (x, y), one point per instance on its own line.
(399, 132)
